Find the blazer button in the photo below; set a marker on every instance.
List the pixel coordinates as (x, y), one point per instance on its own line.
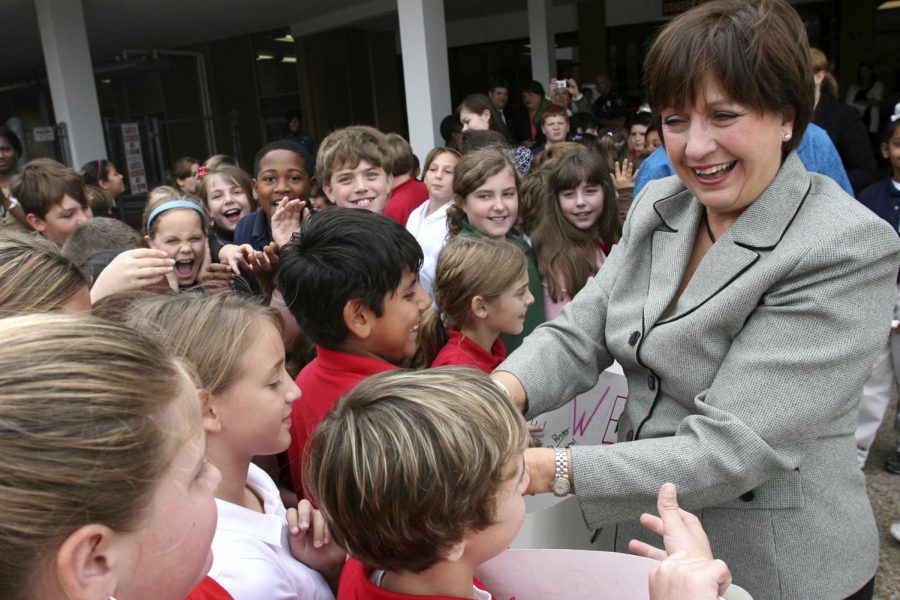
(630, 435)
(651, 382)
(748, 496)
(634, 337)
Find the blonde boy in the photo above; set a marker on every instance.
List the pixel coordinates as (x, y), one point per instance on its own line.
(420, 476)
(354, 168)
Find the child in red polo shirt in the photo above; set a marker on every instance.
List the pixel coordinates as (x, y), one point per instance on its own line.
(351, 280)
(407, 193)
(481, 291)
(420, 476)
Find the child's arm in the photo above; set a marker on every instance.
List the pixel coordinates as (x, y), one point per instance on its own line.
(315, 551)
(132, 270)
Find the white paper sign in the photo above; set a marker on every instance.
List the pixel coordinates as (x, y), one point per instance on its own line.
(566, 575)
(134, 158)
(590, 419)
(44, 134)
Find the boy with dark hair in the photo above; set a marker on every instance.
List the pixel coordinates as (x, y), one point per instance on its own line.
(451, 129)
(281, 170)
(351, 281)
(407, 193)
(419, 512)
(52, 197)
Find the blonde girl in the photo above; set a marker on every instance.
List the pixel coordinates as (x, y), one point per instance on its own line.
(177, 225)
(236, 348)
(428, 222)
(578, 226)
(106, 491)
(486, 204)
(481, 291)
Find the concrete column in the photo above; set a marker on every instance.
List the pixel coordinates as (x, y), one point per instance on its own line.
(71, 75)
(426, 75)
(543, 47)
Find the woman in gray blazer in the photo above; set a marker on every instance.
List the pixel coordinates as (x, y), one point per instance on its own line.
(746, 302)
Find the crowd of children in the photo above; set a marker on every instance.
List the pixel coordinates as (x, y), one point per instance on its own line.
(416, 472)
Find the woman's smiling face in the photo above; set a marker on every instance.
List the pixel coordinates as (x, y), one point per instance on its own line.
(725, 152)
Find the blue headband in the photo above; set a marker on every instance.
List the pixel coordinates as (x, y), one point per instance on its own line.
(171, 204)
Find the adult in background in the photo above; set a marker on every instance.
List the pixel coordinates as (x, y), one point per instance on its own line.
(566, 94)
(477, 113)
(11, 214)
(865, 95)
(746, 302)
(295, 132)
(535, 102)
(610, 106)
(498, 92)
(843, 124)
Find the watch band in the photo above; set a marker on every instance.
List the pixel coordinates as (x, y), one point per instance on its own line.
(562, 464)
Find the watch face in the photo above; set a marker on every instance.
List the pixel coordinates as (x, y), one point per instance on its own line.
(560, 486)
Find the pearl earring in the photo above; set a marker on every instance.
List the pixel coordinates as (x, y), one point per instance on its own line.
(787, 136)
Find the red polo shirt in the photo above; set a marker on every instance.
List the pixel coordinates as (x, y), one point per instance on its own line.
(464, 352)
(328, 377)
(355, 585)
(405, 198)
(209, 589)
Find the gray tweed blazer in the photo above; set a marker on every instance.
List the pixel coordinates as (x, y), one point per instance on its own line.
(745, 394)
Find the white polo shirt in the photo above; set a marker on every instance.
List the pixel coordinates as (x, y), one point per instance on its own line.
(431, 233)
(251, 555)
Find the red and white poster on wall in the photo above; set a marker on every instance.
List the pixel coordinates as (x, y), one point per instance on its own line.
(134, 158)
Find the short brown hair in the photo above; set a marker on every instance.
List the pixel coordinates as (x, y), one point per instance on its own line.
(757, 49)
(180, 169)
(345, 148)
(409, 462)
(554, 110)
(100, 234)
(43, 182)
(400, 154)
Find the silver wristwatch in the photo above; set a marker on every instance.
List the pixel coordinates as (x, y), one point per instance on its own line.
(560, 484)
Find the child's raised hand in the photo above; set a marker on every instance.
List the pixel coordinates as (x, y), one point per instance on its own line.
(215, 276)
(132, 270)
(625, 175)
(286, 219)
(687, 566)
(264, 261)
(310, 544)
(236, 257)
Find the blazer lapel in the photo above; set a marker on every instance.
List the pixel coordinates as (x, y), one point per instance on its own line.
(760, 227)
(672, 241)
